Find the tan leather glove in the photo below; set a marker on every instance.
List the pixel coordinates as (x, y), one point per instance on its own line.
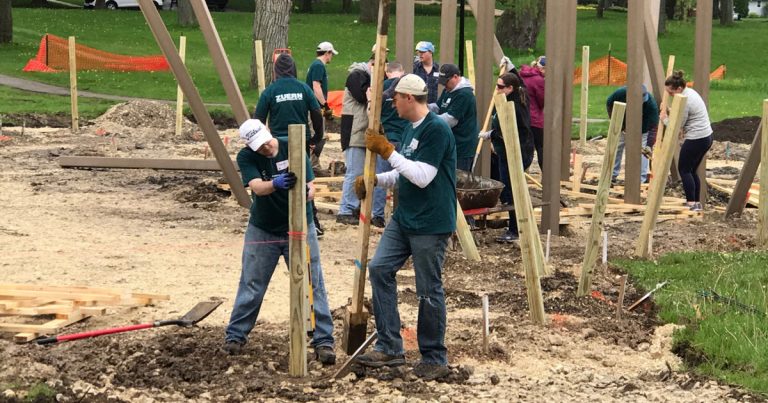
(378, 143)
(360, 186)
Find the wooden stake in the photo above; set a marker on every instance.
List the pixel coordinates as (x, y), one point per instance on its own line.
(464, 234)
(530, 244)
(261, 79)
(546, 255)
(486, 325)
(73, 84)
(740, 194)
(603, 187)
(620, 303)
(179, 92)
(656, 192)
(660, 130)
(605, 248)
(762, 222)
(297, 244)
(470, 62)
(578, 169)
(584, 95)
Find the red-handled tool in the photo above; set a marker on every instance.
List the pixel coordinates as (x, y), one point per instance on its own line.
(198, 313)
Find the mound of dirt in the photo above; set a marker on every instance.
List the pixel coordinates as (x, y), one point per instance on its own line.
(736, 130)
(158, 117)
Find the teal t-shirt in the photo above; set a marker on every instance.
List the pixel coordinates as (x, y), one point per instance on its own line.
(270, 213)
(393, 124)
(287, 101)
(317, 72)
(431, 210)
(461, 105)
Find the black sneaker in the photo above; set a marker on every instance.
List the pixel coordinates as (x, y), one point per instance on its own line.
(378, 222)
(431, 372)
(233, 347)
(319, 230)
(508, 237)
(325, 355)
(348, 219)
(377, 359)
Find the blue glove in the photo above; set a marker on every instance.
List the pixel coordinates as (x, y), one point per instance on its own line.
(284, 181)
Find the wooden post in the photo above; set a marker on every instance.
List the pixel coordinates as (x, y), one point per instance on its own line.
(702, 61)
(486, 326)
(202, 116)
(179, 92)
(605, 249)
(746, 176)
(553, 118)
(762, 223)
(530, 244)
(464, 234)
(664, 102)
(356, 318)
(470, 62)
(404, 34)
(601, 202)
(261, 79)
(498, 52)
(577, 169)
(656, 192)
(620, 302)
(633, 131)
(448, 32)
(568, 49)
(297, 250)
(73, 84)
(484, 13)
(584, 95)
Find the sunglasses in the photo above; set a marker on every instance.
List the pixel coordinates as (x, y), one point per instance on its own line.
(501, 86)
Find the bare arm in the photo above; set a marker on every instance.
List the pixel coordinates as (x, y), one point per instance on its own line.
(261, 187)
(318, 92)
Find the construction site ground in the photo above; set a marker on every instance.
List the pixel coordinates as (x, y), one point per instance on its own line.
(178, 233)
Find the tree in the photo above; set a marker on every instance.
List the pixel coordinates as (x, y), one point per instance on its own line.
(601, 6)
(6, 22)
(369, 11)
(186, 14)
(662, 28)
(270, 25)
(726, 12)
(520, 24)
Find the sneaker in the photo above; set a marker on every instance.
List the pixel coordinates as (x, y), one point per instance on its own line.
(696, 207)
(233, 347)
(319, 230)
(325, 355)
(347, 219)
(377, 359)
(508, 237)
(431, 372)
(378, 222)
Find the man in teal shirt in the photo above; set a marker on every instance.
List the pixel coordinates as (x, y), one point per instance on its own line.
(425, 218)
(317, 75)
(457, 107)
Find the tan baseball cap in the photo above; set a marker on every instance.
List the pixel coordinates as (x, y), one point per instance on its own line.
(411, 84)
(326, 47)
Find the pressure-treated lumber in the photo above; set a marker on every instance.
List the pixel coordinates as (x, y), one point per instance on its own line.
(702, 59)
(202, 117)
(568, 44)
(584, 95)
(578, 168)
(261, 78)
(484, 62)
(658, 184)
(73, 85)
(634, 119)
(140, 163)
(762, 223)
(464, 233)
(297, 250)
(604, 185)
(179, 92)
(553, 117)
(746, 176)
(496, 53)
(447, 45)
(530, 243)
(470, 52)
(664, 103)
(404, 35)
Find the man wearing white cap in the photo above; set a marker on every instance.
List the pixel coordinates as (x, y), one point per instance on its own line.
(317, 75)
(425, 218)
(264, 169)
(425, 67)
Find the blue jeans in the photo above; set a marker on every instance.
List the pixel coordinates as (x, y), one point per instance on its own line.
(620, 153)
(261, 253)
(428, 253)
(354, 159)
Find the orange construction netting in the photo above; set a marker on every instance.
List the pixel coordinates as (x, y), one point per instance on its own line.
(614, 73)
(53, 56)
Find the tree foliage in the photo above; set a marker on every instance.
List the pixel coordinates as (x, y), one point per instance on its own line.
(520, 24)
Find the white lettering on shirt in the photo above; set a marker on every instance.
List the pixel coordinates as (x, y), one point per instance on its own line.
(297, 96)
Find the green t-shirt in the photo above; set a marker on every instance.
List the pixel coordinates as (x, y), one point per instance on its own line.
(393, 124)
(461, 105)
(270, 213)
(317, 72)
(431, 210)
(287, 101)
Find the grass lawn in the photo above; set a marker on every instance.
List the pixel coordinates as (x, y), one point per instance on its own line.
(125, 31)
(726, 341)
(17, 101)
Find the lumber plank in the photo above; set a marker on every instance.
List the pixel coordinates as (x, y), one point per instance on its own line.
(404, 26)
(297, 247)
(179, 91)
(634, 119)
(762, 217)
(140, 163)
(746, 176)
(584, 104)
(73, 84)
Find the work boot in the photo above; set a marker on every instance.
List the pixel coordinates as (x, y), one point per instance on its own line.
(347, 219)
(430, 372)
(377, 359)
(233, 347)
(508, 237)
(378, 222)
(325, 355)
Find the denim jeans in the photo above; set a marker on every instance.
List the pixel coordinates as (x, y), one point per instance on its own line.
(261, 253)
(354, 159)
(620, 153)
(428, 253)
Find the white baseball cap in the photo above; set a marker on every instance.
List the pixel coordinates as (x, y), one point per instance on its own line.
(254, 133)
(326, 47)
(411, 84)
(373, 49)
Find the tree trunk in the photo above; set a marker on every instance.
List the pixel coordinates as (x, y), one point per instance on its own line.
(600, 8)
(519, 26)
(100, 4)
(662, 17)
(306, 6)
(346, 6)
(369, 11)
(186, 14)
(6, 22)
(715, 9)
(726, 12)
(670, 9)
(270, 25)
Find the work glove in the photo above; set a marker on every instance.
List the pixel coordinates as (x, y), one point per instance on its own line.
(508, 63)
(484, 135)
(378, 143)
(284, 181)
(327, 112)
(360, 186)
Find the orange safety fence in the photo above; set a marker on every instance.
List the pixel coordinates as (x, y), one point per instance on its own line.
(53, 56)
(335, 100)
(610, 71)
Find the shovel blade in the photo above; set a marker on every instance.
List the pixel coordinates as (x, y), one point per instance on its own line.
(200, 311)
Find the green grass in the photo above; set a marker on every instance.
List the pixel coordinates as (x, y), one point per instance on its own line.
(17, 101)
(731, 343)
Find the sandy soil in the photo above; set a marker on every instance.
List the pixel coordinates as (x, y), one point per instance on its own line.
(177, 233)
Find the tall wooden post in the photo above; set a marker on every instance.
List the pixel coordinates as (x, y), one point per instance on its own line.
(702, 61)
(179, 92)
(762, 223)
(484, 75)
(601, 201)
(553, 118)
(633, 132)
(498, 52)
(584, 95)
(664, 103)
(746, 176)
(448, 32)
(261, 79)
(470, 52)
(568, 49)
(404, 34)
(297, 250)
(73, 84)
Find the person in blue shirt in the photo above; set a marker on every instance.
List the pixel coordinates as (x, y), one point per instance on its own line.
(425, 67)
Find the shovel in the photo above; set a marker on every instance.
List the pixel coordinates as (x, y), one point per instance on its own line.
(198, 313)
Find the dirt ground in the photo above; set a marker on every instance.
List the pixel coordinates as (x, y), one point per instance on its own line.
(177, 233)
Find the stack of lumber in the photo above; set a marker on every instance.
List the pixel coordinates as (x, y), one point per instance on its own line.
(727, 186)
(24, 306)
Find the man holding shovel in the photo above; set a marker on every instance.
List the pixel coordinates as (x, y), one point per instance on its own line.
(264, 168)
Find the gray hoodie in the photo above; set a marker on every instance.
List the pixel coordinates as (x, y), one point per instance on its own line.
(354, 116)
